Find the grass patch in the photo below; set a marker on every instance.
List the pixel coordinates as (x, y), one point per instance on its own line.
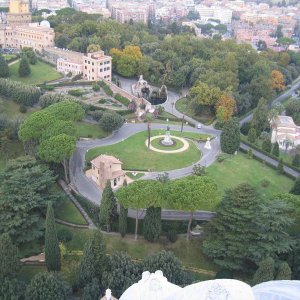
(137, 176)
(27, 272)
(135, 155)
(90, 130)
(12, 109)
(13, 149)
(68, 212)
(238, 169)
(40, 73)
(182, 105)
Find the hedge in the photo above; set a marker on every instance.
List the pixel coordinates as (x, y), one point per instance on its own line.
(122, 99)
(106, 88)
(255, 147)
(21, 93)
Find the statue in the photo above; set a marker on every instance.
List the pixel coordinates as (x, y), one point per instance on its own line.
(167, 141)
(207, 144)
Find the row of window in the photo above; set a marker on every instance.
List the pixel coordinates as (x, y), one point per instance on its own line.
(101, 70)
(102, 63)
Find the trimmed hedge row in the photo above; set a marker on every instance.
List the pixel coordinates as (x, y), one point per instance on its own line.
(21, 93)
(243, 140)
(122, 99)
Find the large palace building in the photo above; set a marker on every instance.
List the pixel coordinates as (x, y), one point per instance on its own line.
(19, 32)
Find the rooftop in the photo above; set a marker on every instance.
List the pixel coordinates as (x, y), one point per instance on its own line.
(106, 159)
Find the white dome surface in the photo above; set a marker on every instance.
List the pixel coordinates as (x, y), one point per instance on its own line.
(45, 23)
(277, 290)
(218, 289)
(151, 287)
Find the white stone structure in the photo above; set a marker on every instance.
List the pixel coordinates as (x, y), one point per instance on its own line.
(285, 132)
(156, 287)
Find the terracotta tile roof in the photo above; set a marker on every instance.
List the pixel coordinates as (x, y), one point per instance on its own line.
(106, 159)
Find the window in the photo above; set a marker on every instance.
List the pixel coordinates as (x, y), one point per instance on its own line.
(115, 182)
(101, 70)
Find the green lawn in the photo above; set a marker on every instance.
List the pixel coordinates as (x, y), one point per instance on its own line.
(182, 105)
(240, 168)
(40, 73)
(135, 155)
(90, 130)
(12, 109)
(68, 212)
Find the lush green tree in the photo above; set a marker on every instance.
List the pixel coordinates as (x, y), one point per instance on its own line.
(47, 286)
(121, 273)
(67, 110)
(11, 289)
(296, 160)
(92, 291)
(267, 145)
(59, 127)
(4, 69)
(108, 206)
(295, 190)
(260, 117)
(123, 220)
(152, 224)
(252, 135)
(30, 54)
(284, 271)
(191, 193)
(9, 260)
(230, 137)
(25, 187)
(265, 271)
(111, 121)
(140, 194)
(58, 149)
(169, 264)
(247, 230)
(275, 150)
(52, 98)
(94, 260)
(52, 251)
(24, 68)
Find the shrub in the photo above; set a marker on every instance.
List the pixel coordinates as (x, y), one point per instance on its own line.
(122, 99)
(221, 157)
(111, 121)
(265, 183)
(23, 109)
(76, 92)
(106, 88)
(172, 235)
(96, 87)
(64, 235)
(199, 170)
(245, 128)
(96, 115)
(250, 153)
(224, 274)
(77, 77)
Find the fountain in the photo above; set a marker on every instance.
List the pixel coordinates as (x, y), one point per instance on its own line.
(167, 141)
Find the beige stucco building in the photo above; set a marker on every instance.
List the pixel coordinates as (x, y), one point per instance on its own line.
(104, 168)
(19, 13)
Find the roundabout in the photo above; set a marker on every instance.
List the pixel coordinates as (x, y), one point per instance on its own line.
(179, 144)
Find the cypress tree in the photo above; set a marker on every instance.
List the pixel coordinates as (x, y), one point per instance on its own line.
(9, 261)
(123, 217)
(24, 68)
(152, 224)
(250, 153)
(296, 160)
(275, 150)
(230, 137)
(123, 220)
(94, 260)
(4, 69)
(108, 206)
(252, 135)
(280, 166)
(265, 271)
(52, 251)
(296, 188)
(267, 146)
(284, 271)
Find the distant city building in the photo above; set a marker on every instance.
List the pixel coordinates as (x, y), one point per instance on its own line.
(19, 32)
(50, 4)
(285, 132)
(222, 14)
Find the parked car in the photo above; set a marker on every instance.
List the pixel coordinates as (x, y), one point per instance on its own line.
(199, 126)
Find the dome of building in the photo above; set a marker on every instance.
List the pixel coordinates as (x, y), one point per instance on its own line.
(151, 287)
(45, 23)
(277, 290)
(218, 289)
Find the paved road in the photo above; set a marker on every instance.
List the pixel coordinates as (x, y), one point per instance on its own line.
(282, 97)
